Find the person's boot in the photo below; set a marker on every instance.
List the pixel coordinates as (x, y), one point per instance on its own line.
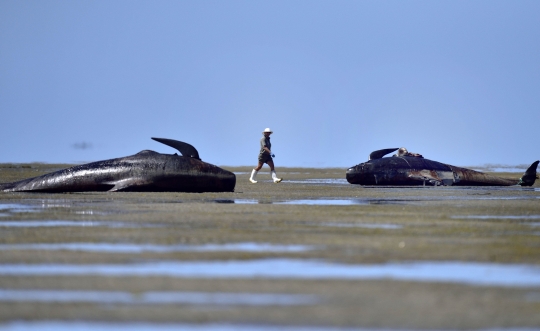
(253, 175)
(275, 177)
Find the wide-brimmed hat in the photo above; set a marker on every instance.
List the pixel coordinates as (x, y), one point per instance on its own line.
(267, 130)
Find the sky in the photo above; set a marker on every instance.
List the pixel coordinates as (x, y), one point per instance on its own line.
(456, 81)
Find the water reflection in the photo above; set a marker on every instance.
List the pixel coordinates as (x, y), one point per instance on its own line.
(58, 223)
(340, 181)
(148, 326)
(339, 202)
(480, 274)
(142, 248)
(361, 225)
(16, 208)
(497, 217)
(319, 202)
(410, 200)
(169, 297)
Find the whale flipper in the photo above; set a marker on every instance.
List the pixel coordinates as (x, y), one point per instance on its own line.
(381, 152)
(184, 148)
(123, 185)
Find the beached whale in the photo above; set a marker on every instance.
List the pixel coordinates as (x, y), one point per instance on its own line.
(416, 170)
(146, 171)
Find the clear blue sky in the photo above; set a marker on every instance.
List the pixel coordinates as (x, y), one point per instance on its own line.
(457, 81)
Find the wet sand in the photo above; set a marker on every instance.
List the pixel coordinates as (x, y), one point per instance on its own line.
(312, 251)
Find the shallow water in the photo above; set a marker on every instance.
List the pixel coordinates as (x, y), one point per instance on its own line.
(371, 201)
(497, 217)
(153, 297)
(318, 202)
(60, 223)
(141, 248)
(340, 181)
(361, 225)
(336, 202)
(8, 209)
(145, 326)
(16, 208)
(480, 274)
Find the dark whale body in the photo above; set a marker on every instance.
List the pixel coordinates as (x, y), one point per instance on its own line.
(146, 171)
(411, 171)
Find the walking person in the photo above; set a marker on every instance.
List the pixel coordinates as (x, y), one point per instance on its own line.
(265, 156)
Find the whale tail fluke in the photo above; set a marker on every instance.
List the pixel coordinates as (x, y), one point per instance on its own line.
(530, 176)
(184, 148)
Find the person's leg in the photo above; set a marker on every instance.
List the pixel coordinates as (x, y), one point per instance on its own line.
(259, 166)
(273, 172)
(254, 173)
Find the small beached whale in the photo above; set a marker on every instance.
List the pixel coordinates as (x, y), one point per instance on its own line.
(412, 169)
(146, 171)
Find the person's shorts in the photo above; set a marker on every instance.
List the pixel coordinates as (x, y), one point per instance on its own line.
(264, 158)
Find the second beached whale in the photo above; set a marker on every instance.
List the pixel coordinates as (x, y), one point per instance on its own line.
(413, 169)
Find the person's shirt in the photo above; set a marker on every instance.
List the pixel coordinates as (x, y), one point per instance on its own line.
(265, 141)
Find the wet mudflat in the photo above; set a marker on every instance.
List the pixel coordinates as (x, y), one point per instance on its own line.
(310, 253)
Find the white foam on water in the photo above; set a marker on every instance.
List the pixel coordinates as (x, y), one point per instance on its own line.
(471, 273)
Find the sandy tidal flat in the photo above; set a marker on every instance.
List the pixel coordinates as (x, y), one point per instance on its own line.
(310, 253)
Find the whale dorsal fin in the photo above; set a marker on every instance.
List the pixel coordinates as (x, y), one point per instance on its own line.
(530, 176)
(184, 148)
(381, 152)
